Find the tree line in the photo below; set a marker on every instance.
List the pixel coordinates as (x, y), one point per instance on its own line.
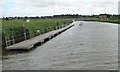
(65, 16)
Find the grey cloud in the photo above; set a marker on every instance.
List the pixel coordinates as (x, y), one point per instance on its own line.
(50, 7)
(102, 4)
(51, 4)
(48, 3)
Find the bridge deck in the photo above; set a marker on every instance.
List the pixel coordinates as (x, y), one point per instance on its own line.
(28, 44)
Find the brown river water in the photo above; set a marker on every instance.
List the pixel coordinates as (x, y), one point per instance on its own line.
(91, 46)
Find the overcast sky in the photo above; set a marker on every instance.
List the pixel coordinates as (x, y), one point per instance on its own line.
(53, 7)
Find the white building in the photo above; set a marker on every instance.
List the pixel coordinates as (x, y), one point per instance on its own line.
(119, 7)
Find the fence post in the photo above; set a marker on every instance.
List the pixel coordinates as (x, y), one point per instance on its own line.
(43, 31)
(13, 39)
(25, 35)
(30, 35)
(38, 32)
(24, 32)
(56, 28)
(6, 41)
(62, 26)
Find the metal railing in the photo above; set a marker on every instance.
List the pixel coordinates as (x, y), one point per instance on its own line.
(11, 40)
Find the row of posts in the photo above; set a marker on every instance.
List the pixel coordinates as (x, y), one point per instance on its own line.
(12, 40)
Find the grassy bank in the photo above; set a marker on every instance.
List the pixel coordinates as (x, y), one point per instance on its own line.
(110, 21)
(33, 25)
(16, 28)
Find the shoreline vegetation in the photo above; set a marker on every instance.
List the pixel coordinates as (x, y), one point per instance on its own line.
(110, 21)
(23, 29)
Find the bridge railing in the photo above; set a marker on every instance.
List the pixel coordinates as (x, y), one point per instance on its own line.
(8, 40)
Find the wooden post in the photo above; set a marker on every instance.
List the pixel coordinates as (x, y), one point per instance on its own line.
(38, 32)
(43, 31)
(24, 32)
(9, 41)
(62, 26)
(25, 35)
(13, 39)
(31, 35)
(56, 28)
(6, 41)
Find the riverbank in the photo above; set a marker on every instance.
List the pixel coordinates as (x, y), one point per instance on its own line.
(110, 21)
(18, 30)
(36, 41)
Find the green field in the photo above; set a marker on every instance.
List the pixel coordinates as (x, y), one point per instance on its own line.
(9, 26)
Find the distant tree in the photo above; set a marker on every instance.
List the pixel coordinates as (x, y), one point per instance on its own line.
(37, 17)
(18, 17)
(26, 17)
(7, 18)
